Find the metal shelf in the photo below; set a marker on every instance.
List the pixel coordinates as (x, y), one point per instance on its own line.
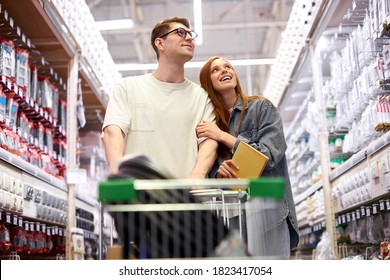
(31, 169)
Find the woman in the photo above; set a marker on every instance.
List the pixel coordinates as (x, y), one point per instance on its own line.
(257, 122)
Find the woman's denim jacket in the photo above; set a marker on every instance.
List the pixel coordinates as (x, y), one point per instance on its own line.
(262, 128)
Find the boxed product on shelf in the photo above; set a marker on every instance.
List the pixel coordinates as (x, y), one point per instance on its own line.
(22, 69)
(7, 58)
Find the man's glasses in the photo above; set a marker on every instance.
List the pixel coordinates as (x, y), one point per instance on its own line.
(182, 33)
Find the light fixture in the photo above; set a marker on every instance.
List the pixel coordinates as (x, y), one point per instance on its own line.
(291, 45)
(64, 29)
(193, 64)
(198, 21)
(114, 24)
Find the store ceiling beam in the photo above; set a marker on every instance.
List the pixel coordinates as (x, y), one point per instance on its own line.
(227, 26)
(231, 10)
(92, 4)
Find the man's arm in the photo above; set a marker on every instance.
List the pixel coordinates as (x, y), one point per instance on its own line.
(114, 145)
(207, 154)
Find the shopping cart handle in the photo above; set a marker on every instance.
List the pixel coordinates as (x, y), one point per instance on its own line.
(119, 190)
(266, 187)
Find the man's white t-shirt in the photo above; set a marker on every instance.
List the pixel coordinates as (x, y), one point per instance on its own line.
(159, 119)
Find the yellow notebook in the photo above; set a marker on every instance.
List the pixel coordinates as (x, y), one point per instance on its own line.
(251, 161)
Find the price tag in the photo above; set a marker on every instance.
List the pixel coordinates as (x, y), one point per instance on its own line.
(8, 218)
(20, 222)
(20, 132)
(18, 31)
(348, 217)
(368, 211)
(27, 99)
(388, 204)
(9, 85)
(374, 209)
(15, 220)
(11, 22)
(3, 80)
(381, 205)
(362, 211)
(24, 38)
(29, 43)
(16, 89)
(36, 108)
(357, 214)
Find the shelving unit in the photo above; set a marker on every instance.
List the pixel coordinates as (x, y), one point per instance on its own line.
(37, 26)
(368, 165)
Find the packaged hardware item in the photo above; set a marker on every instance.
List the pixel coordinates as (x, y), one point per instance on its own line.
(22, 69)
(7, 58)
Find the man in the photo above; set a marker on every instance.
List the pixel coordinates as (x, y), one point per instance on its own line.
(156, 114)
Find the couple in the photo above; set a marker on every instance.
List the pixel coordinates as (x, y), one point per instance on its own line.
(188, 128)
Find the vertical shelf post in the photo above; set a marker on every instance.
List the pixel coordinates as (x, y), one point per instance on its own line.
(316, 65)
(71, 134)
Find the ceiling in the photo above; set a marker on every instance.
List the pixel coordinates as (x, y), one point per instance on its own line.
(235, 29)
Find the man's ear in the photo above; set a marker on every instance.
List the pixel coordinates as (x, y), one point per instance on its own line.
(159, 43)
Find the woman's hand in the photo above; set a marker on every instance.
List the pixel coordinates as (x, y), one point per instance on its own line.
(227, 170)
(209, 130)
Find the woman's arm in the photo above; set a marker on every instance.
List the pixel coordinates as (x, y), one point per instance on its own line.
(269, 137)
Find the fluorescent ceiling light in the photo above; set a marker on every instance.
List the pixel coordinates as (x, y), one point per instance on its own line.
(193, 64)
(64, 29)
(198, 21)
(114, 24)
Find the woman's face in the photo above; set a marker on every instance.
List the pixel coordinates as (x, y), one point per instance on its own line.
(222, 75)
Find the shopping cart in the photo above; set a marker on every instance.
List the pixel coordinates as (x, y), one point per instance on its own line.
(171, 218)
